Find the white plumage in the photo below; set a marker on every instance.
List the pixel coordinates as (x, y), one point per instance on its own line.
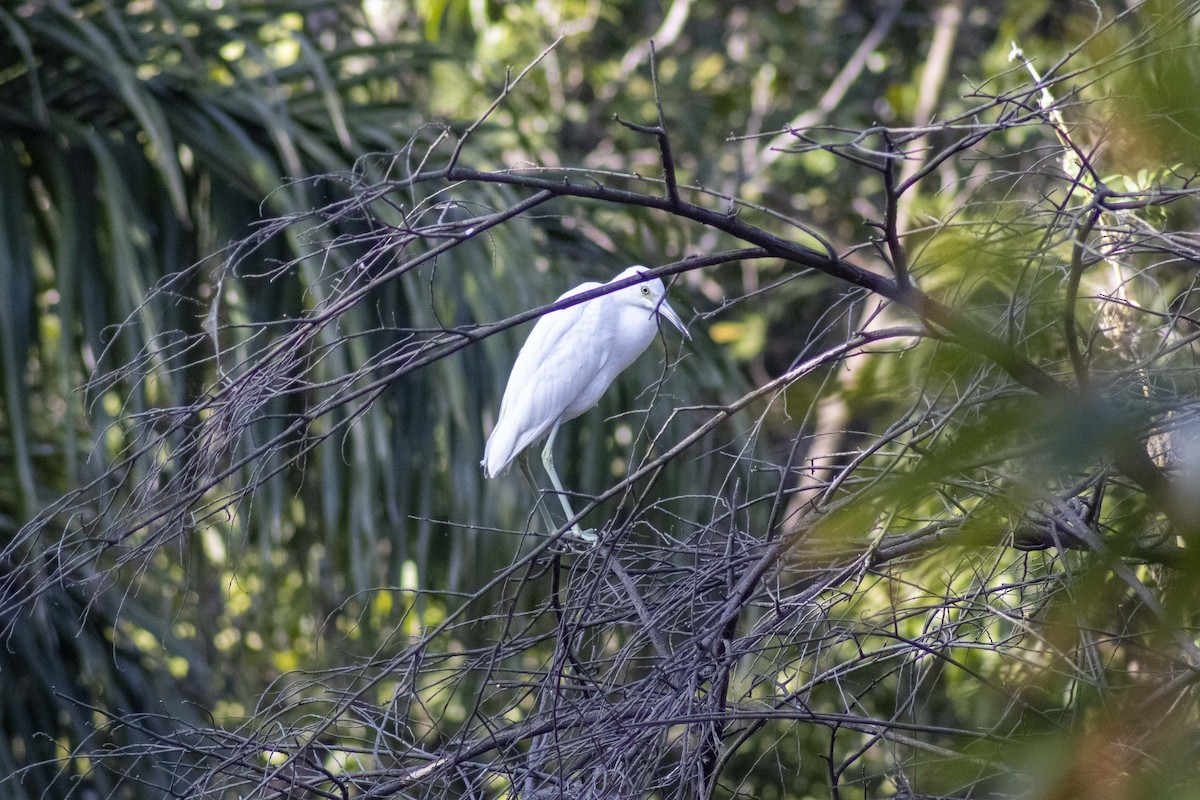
(569, 360)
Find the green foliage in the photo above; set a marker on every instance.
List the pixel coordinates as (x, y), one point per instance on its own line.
(245, 545)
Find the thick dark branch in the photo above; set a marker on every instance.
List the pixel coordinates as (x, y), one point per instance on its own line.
(1128, 456)
(891, 221)
(967, 333)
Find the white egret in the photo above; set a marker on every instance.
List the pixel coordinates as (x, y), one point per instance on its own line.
(569, 360)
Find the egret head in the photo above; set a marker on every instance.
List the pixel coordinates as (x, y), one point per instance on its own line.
(651, 296)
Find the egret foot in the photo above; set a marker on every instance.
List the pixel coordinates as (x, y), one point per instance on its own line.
(587, 537)
(572, 543)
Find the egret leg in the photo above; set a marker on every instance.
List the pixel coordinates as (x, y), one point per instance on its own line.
(527, 471)
(548, 463)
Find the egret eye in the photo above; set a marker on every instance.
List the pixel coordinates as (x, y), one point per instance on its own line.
(645, 290)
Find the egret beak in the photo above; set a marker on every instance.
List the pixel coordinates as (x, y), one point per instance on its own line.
(665, 310)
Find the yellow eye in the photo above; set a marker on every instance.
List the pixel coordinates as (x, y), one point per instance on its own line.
(645, 290)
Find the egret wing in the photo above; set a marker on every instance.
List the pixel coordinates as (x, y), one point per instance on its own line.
(538, 386)
(545, 337)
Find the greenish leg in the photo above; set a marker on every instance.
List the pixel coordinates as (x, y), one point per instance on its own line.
(527, 470)
(548, 463)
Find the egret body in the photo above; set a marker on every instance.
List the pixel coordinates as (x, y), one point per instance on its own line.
(570, 358)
